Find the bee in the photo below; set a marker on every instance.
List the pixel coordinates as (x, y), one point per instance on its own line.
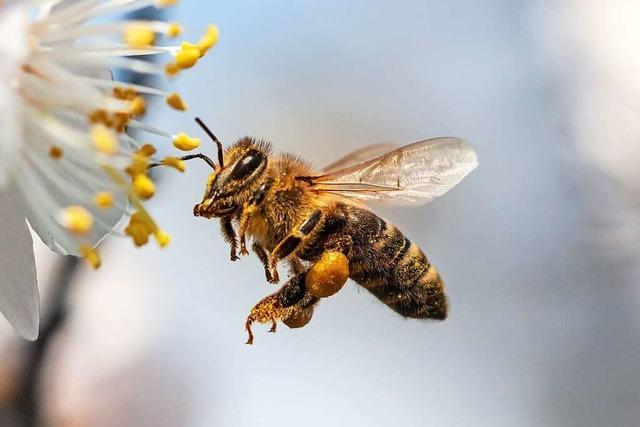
(320, 222)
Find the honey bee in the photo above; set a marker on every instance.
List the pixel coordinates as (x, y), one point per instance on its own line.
(321, 224)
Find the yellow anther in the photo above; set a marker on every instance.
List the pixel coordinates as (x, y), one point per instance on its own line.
(55, 152)
(76, 219)
(209, 40)
(91, 256)
(139, 35)
(140, 228)
(147, 150)
(187, 56)
(166, 3)
(144, 187)
(103, 139)
(162, 237)
(174, 30)
(103, 200)
(171, 69)
(138, 106)
(175, 163)
(184, 142)
(124, 93)
(175, 101)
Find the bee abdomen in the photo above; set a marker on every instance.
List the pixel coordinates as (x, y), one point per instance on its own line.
(405, 280)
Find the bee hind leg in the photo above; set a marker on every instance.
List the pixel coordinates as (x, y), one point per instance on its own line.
(291, 302)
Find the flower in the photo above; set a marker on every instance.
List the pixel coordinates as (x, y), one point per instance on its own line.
(67, 163)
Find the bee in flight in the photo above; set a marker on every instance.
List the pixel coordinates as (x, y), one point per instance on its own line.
(319, 222)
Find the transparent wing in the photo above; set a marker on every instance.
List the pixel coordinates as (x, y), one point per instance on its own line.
(411, 175)
(360, 155)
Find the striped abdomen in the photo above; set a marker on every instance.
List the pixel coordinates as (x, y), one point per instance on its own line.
(393, 268)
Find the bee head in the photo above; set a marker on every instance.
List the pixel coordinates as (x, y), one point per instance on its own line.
(231, 184)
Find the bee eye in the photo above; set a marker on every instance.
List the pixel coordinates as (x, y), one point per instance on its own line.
(247, 165)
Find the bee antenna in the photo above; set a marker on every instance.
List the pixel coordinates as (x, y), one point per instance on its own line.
(200, 156)
(213, 137)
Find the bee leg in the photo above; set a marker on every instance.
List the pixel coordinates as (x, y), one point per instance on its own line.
(264, 258)
(291, 302)
(248, 210)
(274, 325)
(230, 236)
(294, 240)
(296, 266)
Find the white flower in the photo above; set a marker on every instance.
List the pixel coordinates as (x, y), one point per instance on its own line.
(67, 164)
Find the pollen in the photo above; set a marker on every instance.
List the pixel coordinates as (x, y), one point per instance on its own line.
(176, 102)
(104, 140)
(147, 150)
(55, 152)
(139, 35)
(140, 228)
(209, 40)
(187, 56)
(166, 3)
(171, 69)
(184, 142)
(91, 256)
(144, 187)
(175, 163)
(174, 30)
(162, 237)
(76, 219)
(103, 200)
(138, 106)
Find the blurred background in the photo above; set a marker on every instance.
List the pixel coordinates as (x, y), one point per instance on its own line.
(539, 247)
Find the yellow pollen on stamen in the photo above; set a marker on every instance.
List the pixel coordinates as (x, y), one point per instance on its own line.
(103, 139)
(91, 256)
(184, 142)
(171, 69)
(162, 237)
(55, 152)
(174, 30)
(140, 228)
(187, 56)
(139, 35)
(103, 200)
(175, 101)
(138, 106)
(147, 150)
(76, 219)
(144, 187)
(175, 163)
(166, 3)
(209, 40)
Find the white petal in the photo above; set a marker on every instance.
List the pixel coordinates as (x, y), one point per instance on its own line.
(13, 20)
(19, 300)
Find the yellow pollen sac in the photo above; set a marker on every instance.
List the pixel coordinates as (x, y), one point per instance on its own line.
(174, 30)
(55, 152)
(76, 219)
(103, 200)
(147, 150)
(166, 3)
(91, 256)
(162, 237)
(140, 228)
(185, 143)
(327, 275)
(104, 140)
(176, 102)
(144, 187)
(139, 35)
(138, 106)
(209, 40)
(171, 69)
(175, 163)
(187, 56)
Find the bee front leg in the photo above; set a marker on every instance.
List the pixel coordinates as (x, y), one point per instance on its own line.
(229, 235)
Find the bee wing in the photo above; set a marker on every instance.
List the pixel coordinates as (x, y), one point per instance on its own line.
(411, 175)
(358, 156)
